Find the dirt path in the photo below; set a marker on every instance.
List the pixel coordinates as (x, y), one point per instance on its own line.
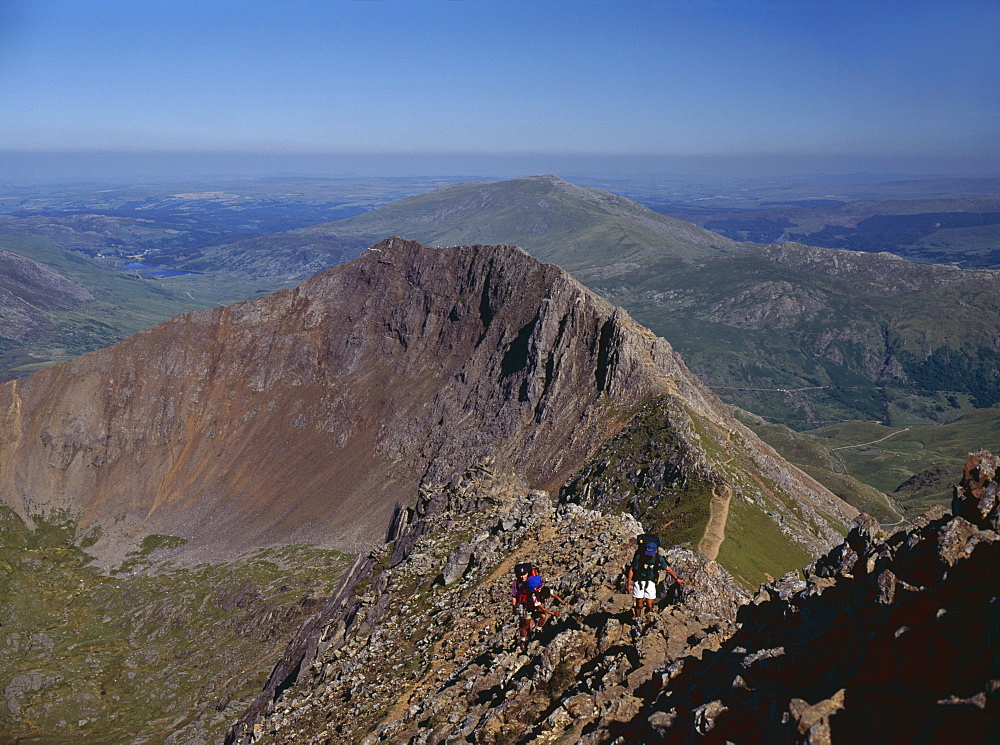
(715, 532)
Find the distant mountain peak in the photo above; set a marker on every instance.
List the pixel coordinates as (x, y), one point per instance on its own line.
(553, 219)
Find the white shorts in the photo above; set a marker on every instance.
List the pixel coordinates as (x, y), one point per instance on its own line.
(644, 590)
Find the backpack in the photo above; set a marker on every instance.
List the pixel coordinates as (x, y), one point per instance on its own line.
(643, 538)
(643, 570)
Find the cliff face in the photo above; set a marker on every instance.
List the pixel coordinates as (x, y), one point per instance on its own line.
(308, 414)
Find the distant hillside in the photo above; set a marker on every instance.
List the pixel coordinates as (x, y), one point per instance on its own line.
(808, 336)
(861, 186)
(551, 218)
(56, 304)
(959, 230)
(28, 291)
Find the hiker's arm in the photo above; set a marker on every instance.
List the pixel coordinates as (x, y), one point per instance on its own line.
(628, 577)
(559, 599)
(676, 578)
(542, 609)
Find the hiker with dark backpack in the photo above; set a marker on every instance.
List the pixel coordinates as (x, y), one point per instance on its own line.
(642, 575)
(521, 574)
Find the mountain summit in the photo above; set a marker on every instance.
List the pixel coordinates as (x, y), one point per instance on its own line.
(308, 415)
(550, 218)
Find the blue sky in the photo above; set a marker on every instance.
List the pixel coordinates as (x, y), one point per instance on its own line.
(892, 84)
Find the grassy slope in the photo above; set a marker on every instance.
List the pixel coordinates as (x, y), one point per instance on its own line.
(149, 651)
(929, 456)
(553, 220)
(638, 471)
(823, 464)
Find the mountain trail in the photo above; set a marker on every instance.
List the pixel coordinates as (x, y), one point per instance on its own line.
(715, 532)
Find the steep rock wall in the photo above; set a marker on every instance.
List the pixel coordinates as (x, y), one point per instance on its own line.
(308, 414)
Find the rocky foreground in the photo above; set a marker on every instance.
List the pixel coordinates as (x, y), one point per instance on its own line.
(886, 638)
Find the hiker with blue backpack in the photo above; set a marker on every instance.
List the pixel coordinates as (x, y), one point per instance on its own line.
(643, 573)
(527, 595)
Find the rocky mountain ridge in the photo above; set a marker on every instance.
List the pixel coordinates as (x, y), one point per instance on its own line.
(425, 652)
(308, 414)
(891, 638)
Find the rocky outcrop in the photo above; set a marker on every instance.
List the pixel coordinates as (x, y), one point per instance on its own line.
(882, 272)
(977, 496)
(885, 639)
(427, 652)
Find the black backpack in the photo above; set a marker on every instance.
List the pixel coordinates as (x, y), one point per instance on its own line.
(530, 569)
(643, 538)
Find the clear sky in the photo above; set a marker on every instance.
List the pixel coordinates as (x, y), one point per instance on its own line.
(893, 85)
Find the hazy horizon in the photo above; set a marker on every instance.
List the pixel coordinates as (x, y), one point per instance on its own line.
(175, 88)
(54, 167)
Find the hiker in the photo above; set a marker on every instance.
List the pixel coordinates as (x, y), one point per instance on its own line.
(529, 608)
(521, 574)
(542, 613)
(524, 600)
(642, 575)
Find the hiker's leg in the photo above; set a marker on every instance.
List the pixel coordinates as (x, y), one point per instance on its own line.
(637, 593)
(650, 596)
